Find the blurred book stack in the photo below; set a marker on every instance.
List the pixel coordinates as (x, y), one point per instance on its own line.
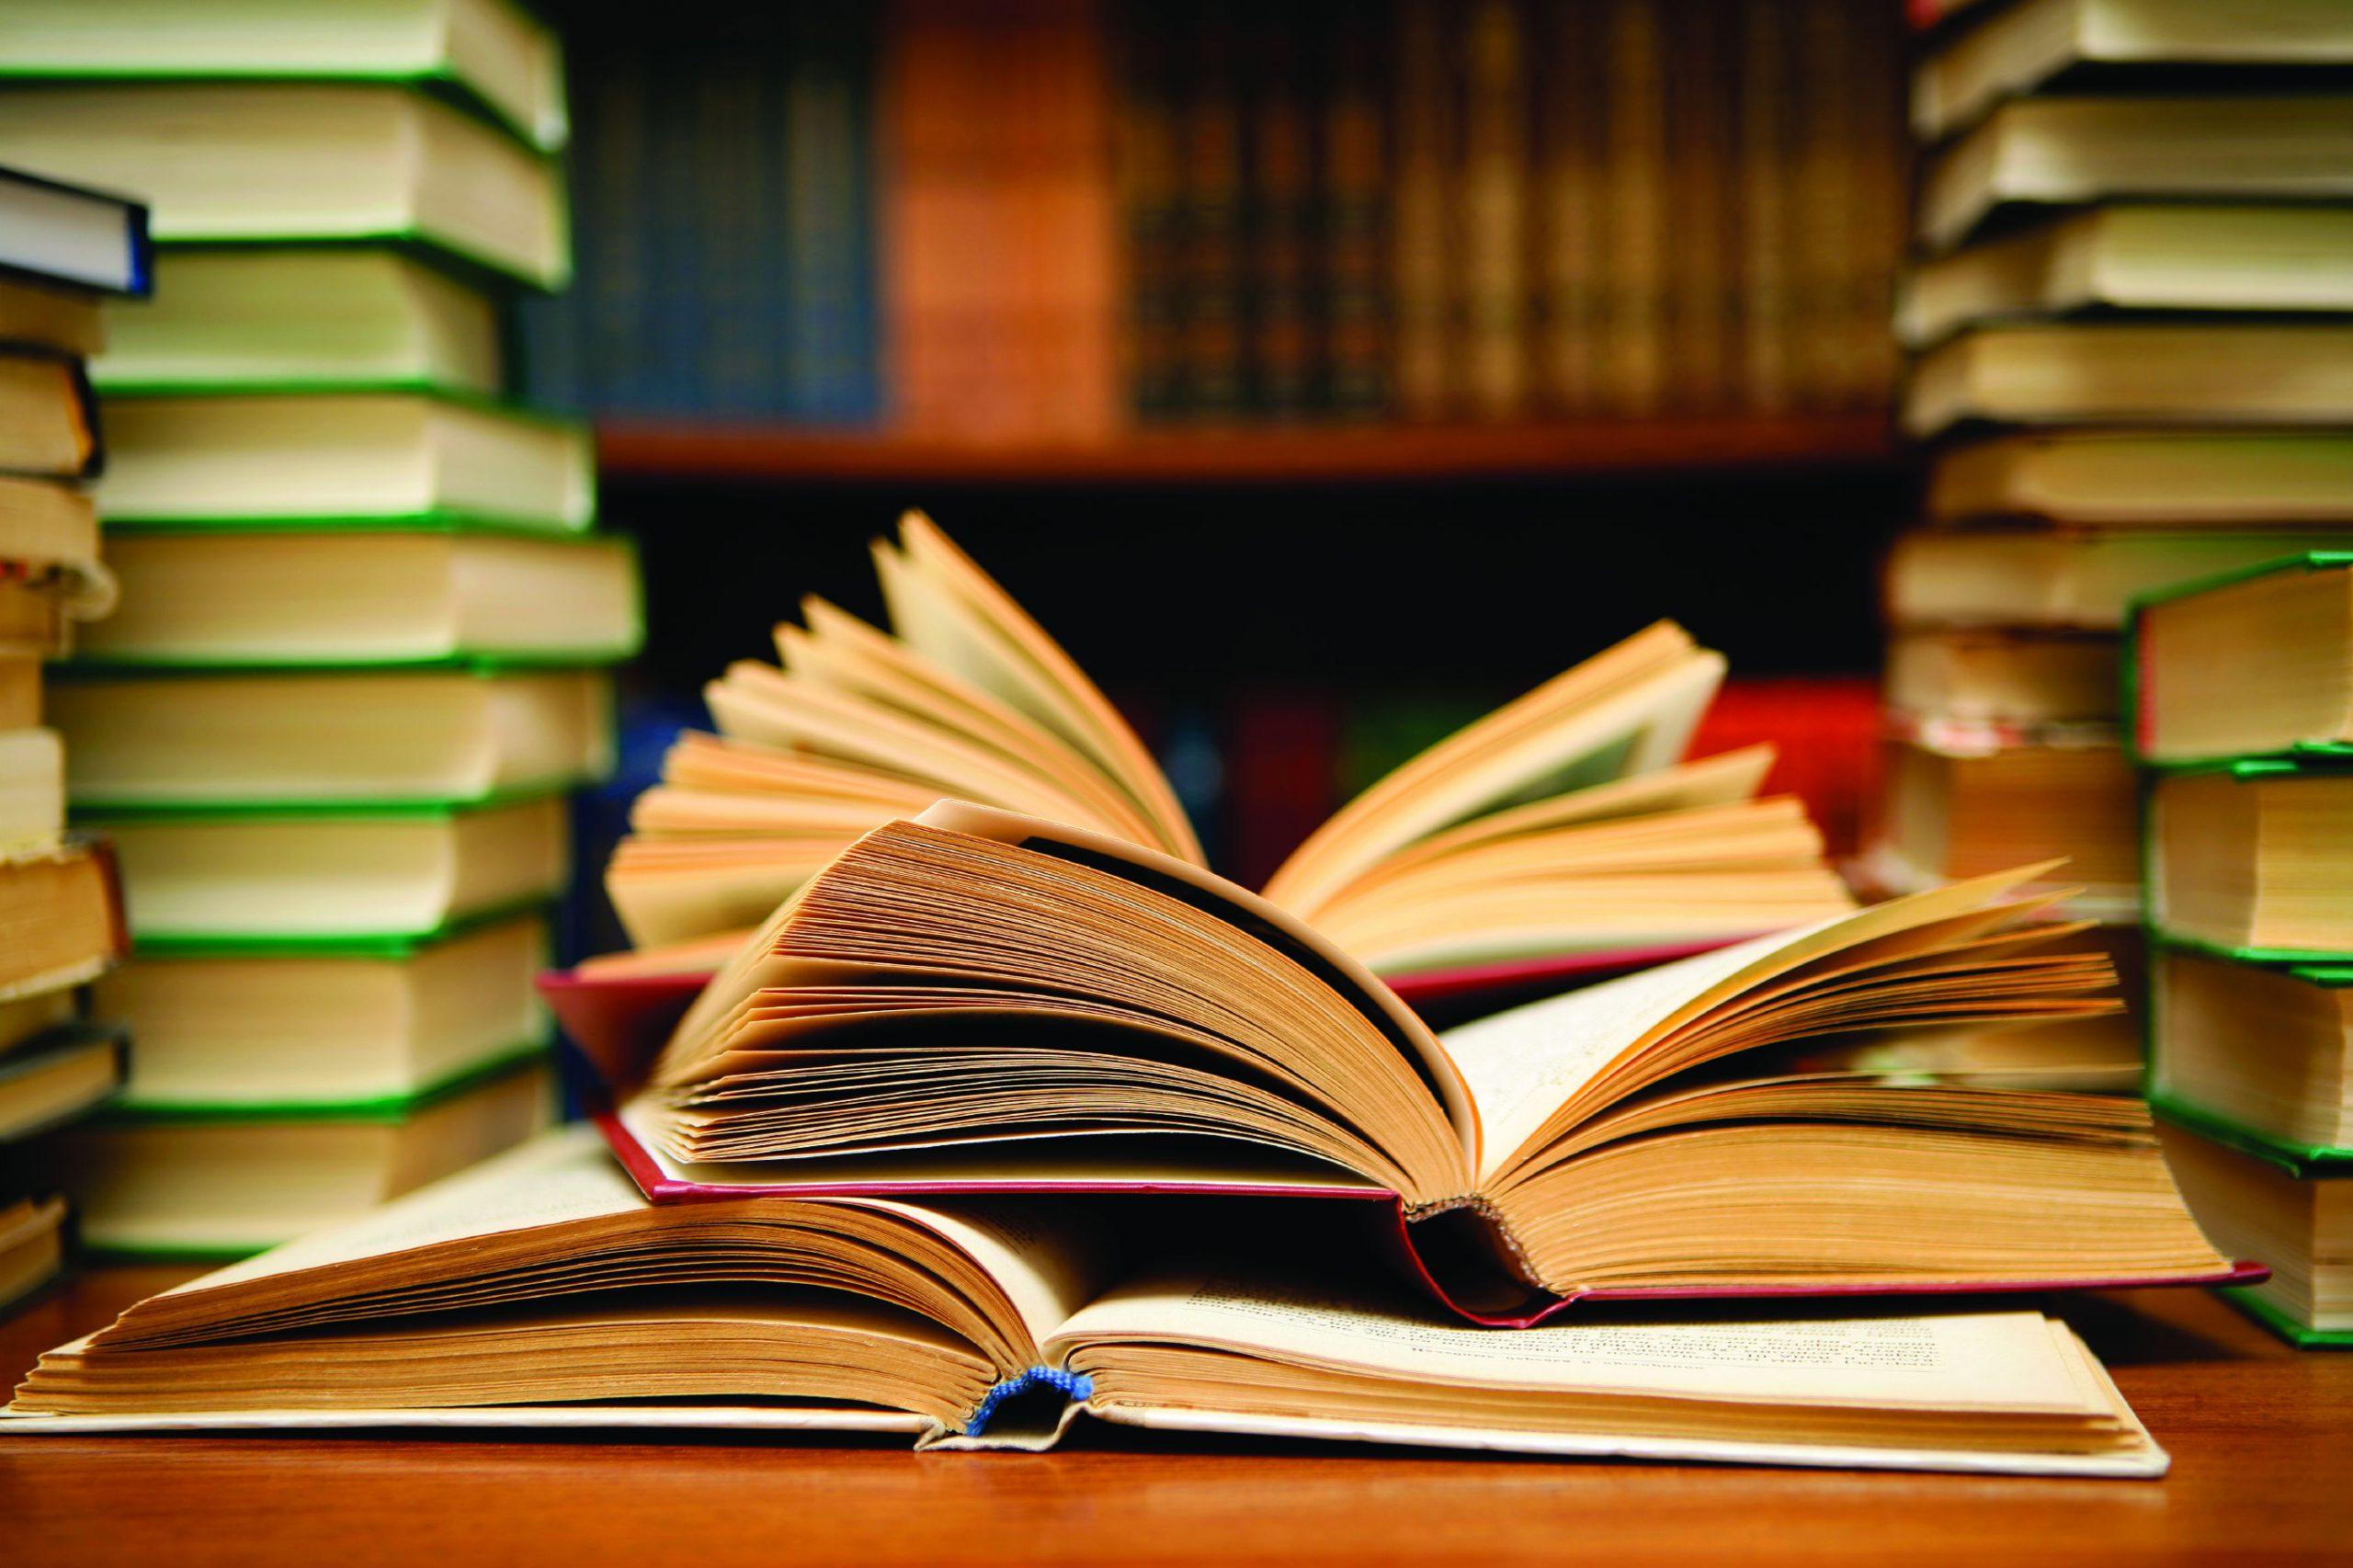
(357, 662)
(2131, 357)
(1099, 212)
(2242, 724)
(62, 250)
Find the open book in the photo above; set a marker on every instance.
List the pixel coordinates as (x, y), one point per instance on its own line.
(542, 1290)
(1561, 834)
(976, 1001)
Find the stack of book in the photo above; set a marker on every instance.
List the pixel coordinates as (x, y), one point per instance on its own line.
(1051, 218)
(62, 250)
(1008, 1124)
(356, 664)
(2129, 354)
(2243, 722)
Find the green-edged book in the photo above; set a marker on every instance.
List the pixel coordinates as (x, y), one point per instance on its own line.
(2251, 859)
(2249, 1300)
(194, 879)
(366, 593)
(2251, 1050)
(302, 456)
(303, 162)
(2259, 1199)
(225, 318)
(2246, 665)
(308, 1025)
(467, 732)
(492, 57)
(218, 1183)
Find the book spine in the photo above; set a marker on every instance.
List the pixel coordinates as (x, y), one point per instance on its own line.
(1073, 242)
(1211, 224)
(1824, 230)
(1281, 350)
(923, 98)
(1422, 249)
(1700, 261)
(1568, 202)
(1879, 152)
(1491, 203)
(723, 276)
(1767, 146)
(1354, 221)
(1633, 312)
(826, 253)
(1148, 196)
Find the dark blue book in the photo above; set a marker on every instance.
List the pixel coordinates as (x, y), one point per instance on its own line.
(68, 237)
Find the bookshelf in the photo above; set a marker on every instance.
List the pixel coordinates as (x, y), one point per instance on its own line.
(1125, 243)
(1667, 447)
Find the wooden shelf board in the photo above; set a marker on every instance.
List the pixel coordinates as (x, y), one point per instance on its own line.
(1257, 453)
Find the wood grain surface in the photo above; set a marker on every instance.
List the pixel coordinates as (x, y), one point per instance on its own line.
(2262, 1438)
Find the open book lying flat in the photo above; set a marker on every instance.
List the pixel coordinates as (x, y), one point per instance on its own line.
(1560, 835)
(975, 1001)
(540, 1290)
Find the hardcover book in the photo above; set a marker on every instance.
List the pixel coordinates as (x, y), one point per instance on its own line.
(2063, 149)
(493, 56)
(1559, 831)
(274, 1027)
(292, 161)
(2252, 858)
(541, 1292)
(2250, 1188)
(466, 733)
(2160, 257)
(66, 238)
(54, 1077)
(2149, 478)
(225, 318)
(220, 1182)
(366, 594)
(2248, 664)
(297, 457)
(2034, 45)
(223, 874)
(974, 1001)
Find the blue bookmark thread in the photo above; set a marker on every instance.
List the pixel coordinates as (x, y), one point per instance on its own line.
(1073, 1385)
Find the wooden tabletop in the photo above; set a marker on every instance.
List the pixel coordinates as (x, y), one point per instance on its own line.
(2262, 1439)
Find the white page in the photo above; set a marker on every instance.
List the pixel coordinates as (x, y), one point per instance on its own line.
(1975, 1361)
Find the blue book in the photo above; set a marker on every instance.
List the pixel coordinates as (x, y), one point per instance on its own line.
(68, 237)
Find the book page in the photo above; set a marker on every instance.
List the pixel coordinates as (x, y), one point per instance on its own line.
(1523, 1065)
(1050, 1259)
(561, 1175)
(1991, 1361)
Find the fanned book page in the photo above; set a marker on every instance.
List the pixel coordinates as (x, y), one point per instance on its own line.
(540, 1290)
(1561, 833)
(974, 1001)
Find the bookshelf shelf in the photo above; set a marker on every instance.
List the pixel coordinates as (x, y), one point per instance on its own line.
(1254, 454)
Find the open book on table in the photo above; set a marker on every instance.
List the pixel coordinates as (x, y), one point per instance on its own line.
(542, 1290)
(973, 1001)
(1560, 835)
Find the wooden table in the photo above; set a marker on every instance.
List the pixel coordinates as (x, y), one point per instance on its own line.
(2262, 1439)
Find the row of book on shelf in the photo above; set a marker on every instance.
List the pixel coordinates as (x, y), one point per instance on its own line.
(355, 659)
(1054, 216)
